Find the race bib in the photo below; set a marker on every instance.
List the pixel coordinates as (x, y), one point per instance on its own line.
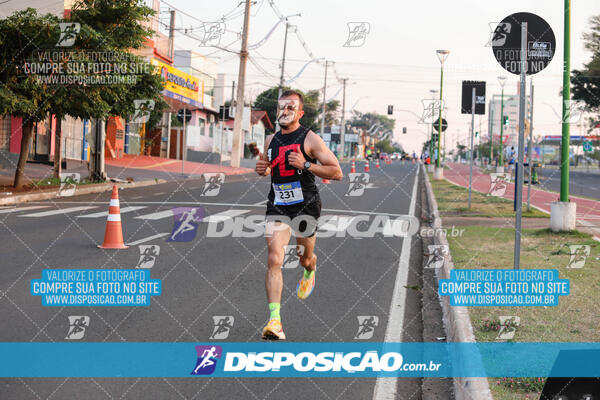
(288, 193)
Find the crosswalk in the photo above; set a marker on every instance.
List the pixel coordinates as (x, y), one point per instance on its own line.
(152, 216)
(124, 210)
(58, 211)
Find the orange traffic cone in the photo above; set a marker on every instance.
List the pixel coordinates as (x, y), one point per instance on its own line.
(353, 167)
(367, 166)
(326, 181)
(377, 163)
(113, 236)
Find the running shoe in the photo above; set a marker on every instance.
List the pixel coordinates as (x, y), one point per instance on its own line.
(273, 330)
(305, 286)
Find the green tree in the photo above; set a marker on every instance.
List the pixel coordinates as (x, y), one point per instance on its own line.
(21, 94)
(267, 101)
(367, 120)
(119, 27)
(385, 146)
(585, 83)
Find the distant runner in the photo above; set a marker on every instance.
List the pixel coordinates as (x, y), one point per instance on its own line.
(291, 159)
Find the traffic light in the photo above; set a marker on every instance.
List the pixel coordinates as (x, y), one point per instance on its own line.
(434, 137)
(476, 134)
(390, 110)
(506, 120)
(404, 130)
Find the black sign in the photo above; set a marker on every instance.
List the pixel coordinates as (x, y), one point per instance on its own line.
(506, 43)
(436, 125)
(188, 115)
(467, 97)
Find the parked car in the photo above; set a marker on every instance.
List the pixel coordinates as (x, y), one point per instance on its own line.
(383, 156)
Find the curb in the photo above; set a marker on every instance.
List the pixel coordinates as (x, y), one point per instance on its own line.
(456, 319)
(53, 193)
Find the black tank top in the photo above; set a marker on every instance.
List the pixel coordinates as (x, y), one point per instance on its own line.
(283, 173)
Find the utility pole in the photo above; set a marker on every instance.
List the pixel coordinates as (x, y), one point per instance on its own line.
(172, 34)
(471, 147)
(519, 162)
(287, 25)
(491, 126)
(529, 147)
(324, 101)
(236, 148)
(343, 127)
(566, 130)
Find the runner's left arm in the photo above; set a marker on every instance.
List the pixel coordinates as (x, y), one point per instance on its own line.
(329, 167)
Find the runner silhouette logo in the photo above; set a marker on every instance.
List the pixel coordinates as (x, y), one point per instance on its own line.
(579, 254)
(207, 359)
(358, 183)
(366, 326)
(223, 324)
(212, 183)
(77, 326)
(185, 224)
(292, 254)
(148, 254)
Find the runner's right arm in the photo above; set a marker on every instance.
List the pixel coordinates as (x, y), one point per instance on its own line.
(263, 166)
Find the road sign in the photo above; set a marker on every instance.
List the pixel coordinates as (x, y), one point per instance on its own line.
(188, 115)
(506, 43)
(436, 124)
(587, 146)
(467, 94)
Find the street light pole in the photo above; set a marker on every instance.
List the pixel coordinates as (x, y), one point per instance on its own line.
(439, 172)
(433, 92)
(324, 101)
(566, 134)
(563, 213)
(502, 80)
(343, 121)
(287, 27)
(237, 146)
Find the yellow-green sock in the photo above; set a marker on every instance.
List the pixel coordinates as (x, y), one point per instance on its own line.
(274, 309)
(308, 274)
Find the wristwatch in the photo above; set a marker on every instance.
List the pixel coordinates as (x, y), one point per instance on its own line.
(307, 165)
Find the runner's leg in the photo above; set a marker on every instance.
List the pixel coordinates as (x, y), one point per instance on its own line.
(278, 235)
(276, 241)
(308, 260)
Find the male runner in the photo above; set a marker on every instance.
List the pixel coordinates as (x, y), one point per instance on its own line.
(291, 159)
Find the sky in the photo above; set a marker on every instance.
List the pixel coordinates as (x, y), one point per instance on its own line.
(397, 64)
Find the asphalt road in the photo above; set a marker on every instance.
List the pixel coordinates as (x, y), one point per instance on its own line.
(580, 183)
(210, 277)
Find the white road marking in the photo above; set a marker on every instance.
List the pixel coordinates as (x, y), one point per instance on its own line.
(201, 203)
(156, 215)
(17, 209)
(159, 193)
(147, 239)
(59, 211)
(225, 215)
(260, 203)
(385, 388)
(105, 213)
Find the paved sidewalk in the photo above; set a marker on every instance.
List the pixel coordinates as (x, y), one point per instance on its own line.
(141, 170)
(588, 211)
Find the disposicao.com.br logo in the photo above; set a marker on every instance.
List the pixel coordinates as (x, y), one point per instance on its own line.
(369, 361)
